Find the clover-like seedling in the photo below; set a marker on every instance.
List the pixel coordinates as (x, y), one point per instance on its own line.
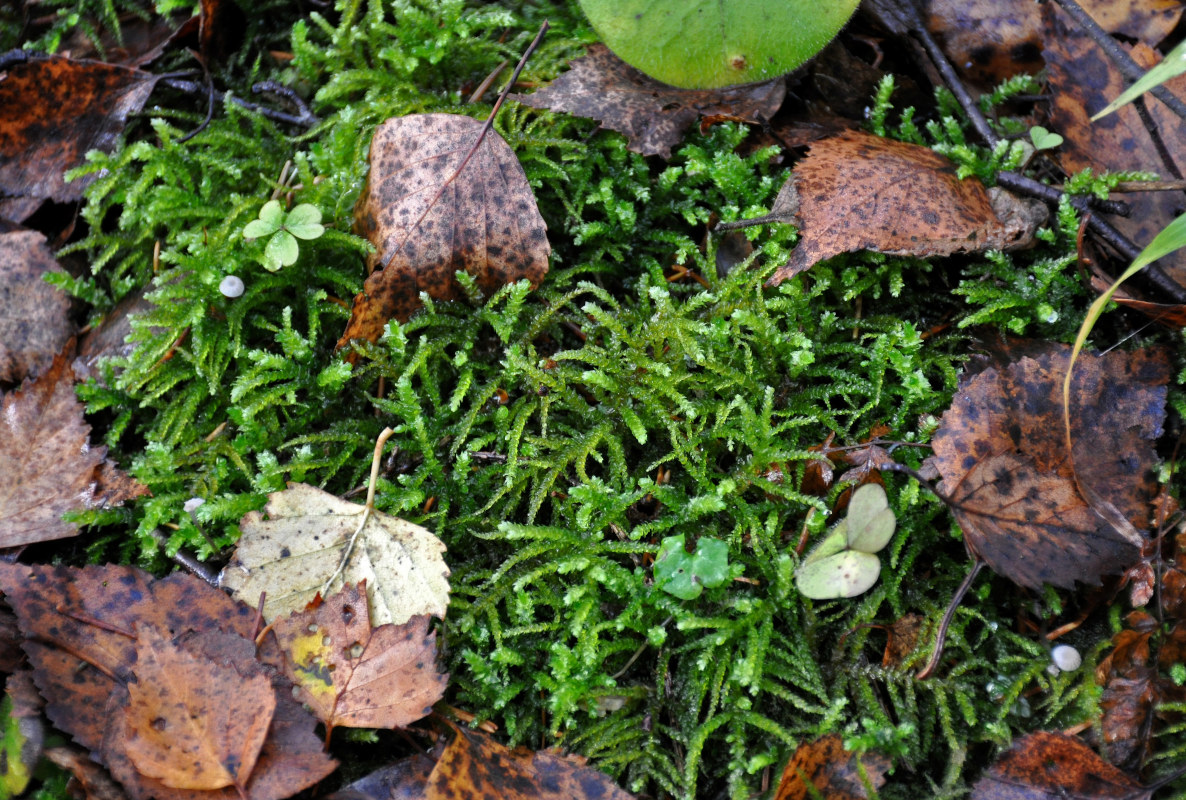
(844, 563)
(303, 222)
(1044, 139)
(685, 574)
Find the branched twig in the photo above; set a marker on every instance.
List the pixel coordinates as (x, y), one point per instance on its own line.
(305, 119)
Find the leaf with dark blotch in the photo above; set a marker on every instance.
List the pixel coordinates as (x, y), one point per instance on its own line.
(49, 466)
(34, 325)
(475, 767)
(652, 115)
(833, 772)
(193, 723)
(427, 225)
(1002, 454)
(405, 779)
(53, 111)
(857, 191)
(1054, 766)
(354, 676)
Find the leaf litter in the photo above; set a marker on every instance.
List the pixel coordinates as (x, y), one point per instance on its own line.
(34, 316)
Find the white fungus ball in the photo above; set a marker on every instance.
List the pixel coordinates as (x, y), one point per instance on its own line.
(1066, 658)
(231, 286)
(192, 504)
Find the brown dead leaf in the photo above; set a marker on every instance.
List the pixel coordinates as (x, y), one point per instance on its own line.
(856, 191)
(1082, 80)
(193, 723)
(52, 112)
(1172, 315)
(354, 676)
(1054, 766)
(475, 767)
(834, 772)
(653, 116)
(88, 780)
(33, 315)
(427, 226)
(902, 640)
(991, 40)
(406, 779)
(1003, 459)
(49, 465)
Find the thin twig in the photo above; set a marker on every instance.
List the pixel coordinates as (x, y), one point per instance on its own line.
(306, 120)
(486, 126)
(368, 509)
(1150, 186)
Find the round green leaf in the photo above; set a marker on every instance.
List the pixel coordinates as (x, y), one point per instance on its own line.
(685, 574)
(258, 228)
(870, 520)
(281, 251)
(835, 542)
(706, 44)
(304, 222)
(845, 574)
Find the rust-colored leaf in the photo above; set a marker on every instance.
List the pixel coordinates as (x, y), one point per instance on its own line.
(653, 116)
(426, 226)
(33, 315)
(193, 723)
(52, 112)
(354, 676)
(1002, 454)
(1082, 80)
(1054, 766)
(902, 640)
(835, 773)
(857, 191)
(49, 465)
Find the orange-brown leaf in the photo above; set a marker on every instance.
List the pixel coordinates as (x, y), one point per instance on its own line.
(193, 723)
(831, 770)
(426, 226)
(652, 115)
(52, 112)
(356, 676)
(49, 465)
(857, 191)
(1054, 766)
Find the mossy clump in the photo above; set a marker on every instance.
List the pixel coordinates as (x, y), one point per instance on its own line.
(651, 387)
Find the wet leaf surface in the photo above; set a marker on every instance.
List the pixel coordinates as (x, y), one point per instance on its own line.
(49, 466)
(652, 115)
(354, 676)
(1054, 766)
(856, 191)
(426, 226)
(831, 770)
(34, 322)
(52, 112)
(1001, 451)
(297, 549)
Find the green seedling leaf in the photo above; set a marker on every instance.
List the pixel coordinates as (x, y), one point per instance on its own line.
(282, 251)
(844, 563)
(271, 218)
(870, 520)
(304, 222)
(685, 574)
(707, 44)
(1173, 65)
(1044, 139)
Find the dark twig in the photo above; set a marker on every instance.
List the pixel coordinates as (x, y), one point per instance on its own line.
(209, 80)
(305, 120)
(280, 90)
(1130, 69)
(1163, 152)
(941, 636)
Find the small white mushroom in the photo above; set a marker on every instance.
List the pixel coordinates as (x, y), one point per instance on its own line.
(231, 286)
(192, 504)
(1066, 658)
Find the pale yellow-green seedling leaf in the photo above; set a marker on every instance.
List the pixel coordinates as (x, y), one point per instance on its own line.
(294, 549)
(870, 520)
(844, 563)
(845, 574)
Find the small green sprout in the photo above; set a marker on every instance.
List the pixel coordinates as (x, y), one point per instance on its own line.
(685, 574)
(303, 222)
(1044, 139)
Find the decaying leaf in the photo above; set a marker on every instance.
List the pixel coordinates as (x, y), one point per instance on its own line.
(52, 112)
(88, 780)
(293, 553)
(835, 773)
(354, 676)
(33, 315)
(1082, 81)
(1002, 454)
(49, 466)
(476, 767)
(653, 116)
(193, 723)
(22, 733)
(857, 191)
(1054, 766)
(427, 226)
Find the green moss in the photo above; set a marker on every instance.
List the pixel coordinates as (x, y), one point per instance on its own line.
(554, 438)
